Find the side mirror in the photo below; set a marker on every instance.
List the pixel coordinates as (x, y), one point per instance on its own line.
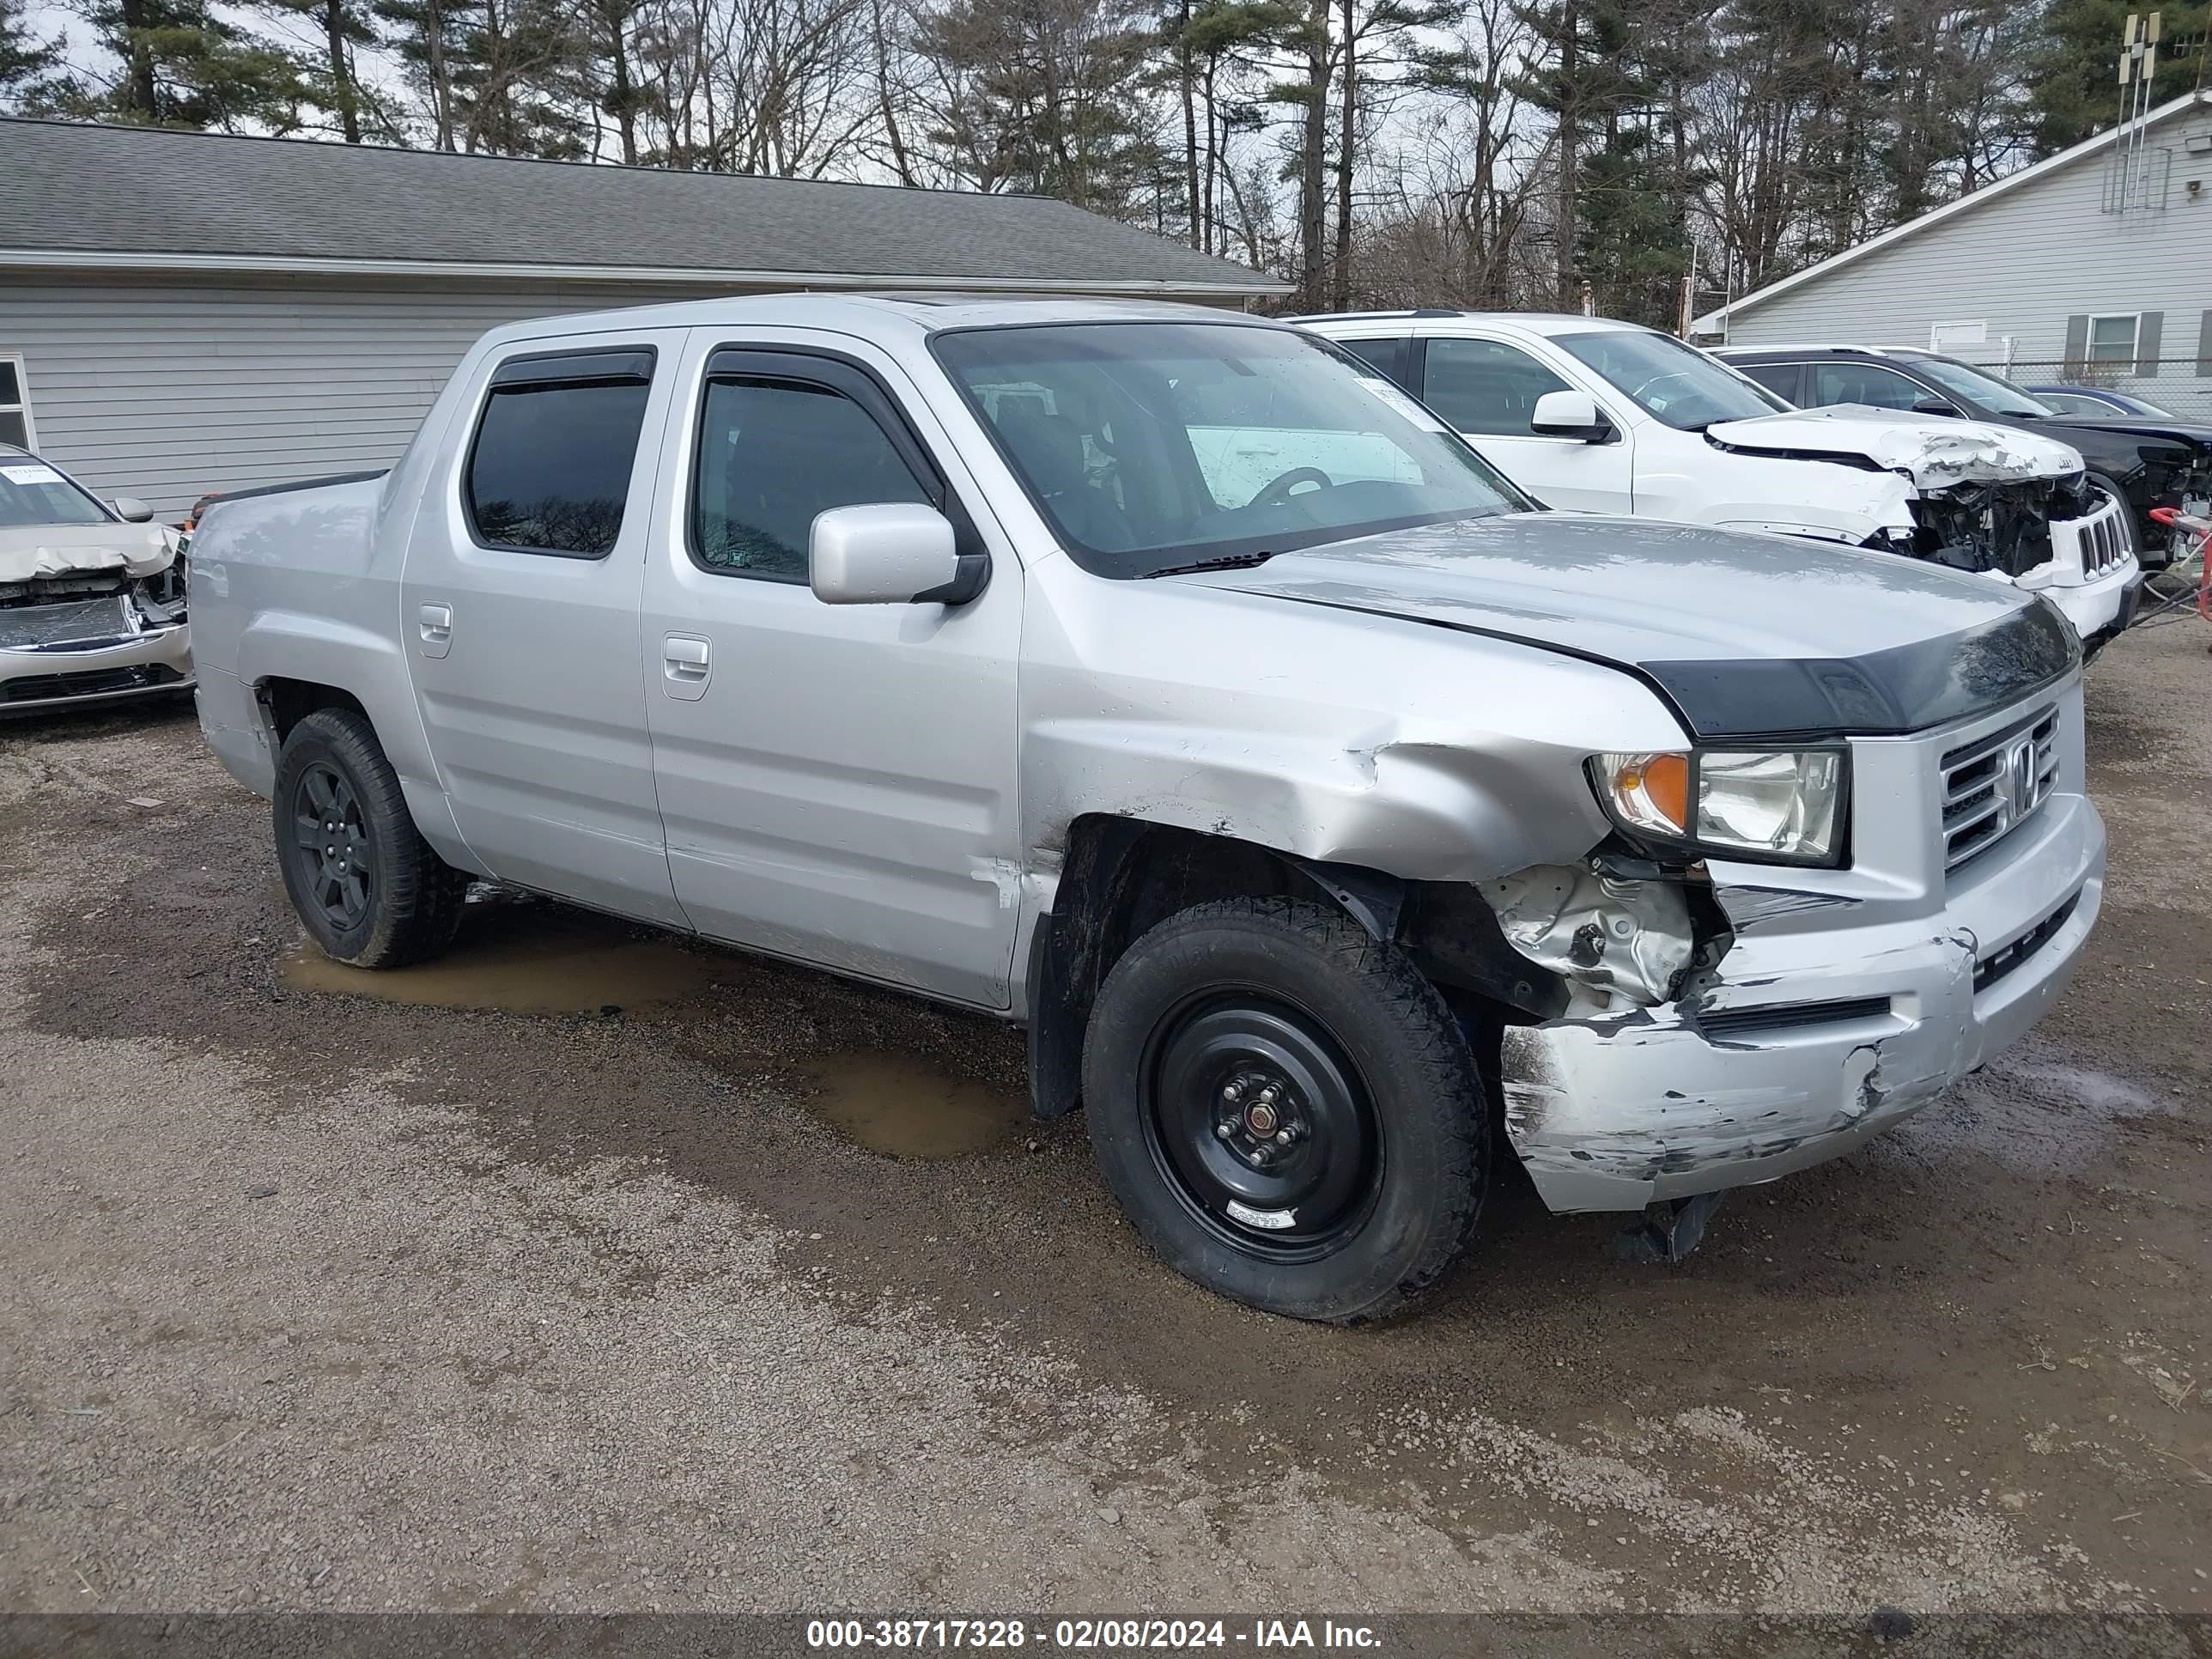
(1569, 415)
(889, 553)
(1934, 406)
(130, 509)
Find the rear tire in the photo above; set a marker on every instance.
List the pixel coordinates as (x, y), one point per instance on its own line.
(365, 884)
(1287, 1109)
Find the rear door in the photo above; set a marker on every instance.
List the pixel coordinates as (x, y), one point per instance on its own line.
(837, 781)
(520, 613)
(1487, 388)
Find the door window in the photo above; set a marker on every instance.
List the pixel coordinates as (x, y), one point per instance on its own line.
(1780, 379)
(549, 470)
(1389, 356)
(1865, 383)
(773, 455)
(1486, 386)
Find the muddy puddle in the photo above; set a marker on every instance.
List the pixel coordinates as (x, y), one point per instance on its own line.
(903, 1106)
(525, 959)
(516, 955)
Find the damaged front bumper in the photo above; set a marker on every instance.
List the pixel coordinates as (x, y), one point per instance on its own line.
(82, 646)
(1821, 1029)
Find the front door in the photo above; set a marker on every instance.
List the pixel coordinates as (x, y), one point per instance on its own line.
(838, 782)
(1487, 389)
(519, 610)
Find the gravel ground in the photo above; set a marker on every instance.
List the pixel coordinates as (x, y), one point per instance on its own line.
(313, 1300)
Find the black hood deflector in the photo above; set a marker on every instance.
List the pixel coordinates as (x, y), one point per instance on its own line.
(1884, 694)
(1890, 693)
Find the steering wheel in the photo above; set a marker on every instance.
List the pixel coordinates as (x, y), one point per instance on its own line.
(1278, 492)
(1661, 379)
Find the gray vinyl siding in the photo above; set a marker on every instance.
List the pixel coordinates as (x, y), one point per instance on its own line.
(2028, 262)
(167, 390)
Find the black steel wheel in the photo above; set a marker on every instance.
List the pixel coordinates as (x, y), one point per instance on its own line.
(1287, 1111)
(1259, 1125)
(328, 829)
(365, 884)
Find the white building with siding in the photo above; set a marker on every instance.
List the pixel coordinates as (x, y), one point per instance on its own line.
(2092, 266)
(182, 312)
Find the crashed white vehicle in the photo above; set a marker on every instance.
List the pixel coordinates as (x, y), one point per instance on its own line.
(92, 594)
(1604, 417)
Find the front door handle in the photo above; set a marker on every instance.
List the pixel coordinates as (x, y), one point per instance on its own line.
(686, 666)
(435, 624)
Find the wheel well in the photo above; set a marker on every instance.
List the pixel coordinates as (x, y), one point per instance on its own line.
(289, 702)
(1121, 876)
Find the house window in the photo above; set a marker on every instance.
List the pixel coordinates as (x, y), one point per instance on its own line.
(2112, 339)
(14, 405)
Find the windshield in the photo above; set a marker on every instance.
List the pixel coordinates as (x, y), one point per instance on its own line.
(32, 493)
(1157, 446)
(1994, 396)
(1677, 383)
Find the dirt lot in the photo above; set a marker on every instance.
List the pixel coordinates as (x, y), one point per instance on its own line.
(612, 1273)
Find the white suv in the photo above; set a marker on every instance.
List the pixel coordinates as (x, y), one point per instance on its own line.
(1605, 417)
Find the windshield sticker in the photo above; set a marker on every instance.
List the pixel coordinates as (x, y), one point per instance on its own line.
(1405, 405)
(30, 474)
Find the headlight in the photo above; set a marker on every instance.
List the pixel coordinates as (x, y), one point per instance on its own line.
(1782, 805)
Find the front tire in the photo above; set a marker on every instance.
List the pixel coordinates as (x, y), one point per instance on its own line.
(365, 882)
(1287, 1109)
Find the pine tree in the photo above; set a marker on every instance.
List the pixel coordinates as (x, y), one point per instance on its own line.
(2075, 80)
(185, 65)
(35, 75)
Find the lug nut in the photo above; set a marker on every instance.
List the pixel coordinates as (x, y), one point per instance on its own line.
(1233, 1091)
(1225, 1128)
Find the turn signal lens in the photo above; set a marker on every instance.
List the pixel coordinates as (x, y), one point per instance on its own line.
(1650, 792)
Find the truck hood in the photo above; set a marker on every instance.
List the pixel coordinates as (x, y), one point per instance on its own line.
(1746, 635)
(80, 549)
(1935, 453)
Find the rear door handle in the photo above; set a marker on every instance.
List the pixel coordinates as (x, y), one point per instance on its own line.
(435, 624)
(686, 666)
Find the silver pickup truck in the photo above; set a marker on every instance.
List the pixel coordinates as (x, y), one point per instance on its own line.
(1169, 683)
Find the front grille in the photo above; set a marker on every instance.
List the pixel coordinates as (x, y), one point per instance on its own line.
(90, 683)
(2100, 539)
(1994, 784)
(1994, 966)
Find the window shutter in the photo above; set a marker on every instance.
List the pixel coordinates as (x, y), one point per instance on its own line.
(2148, 327)
(2204, 342)
(2077, 344)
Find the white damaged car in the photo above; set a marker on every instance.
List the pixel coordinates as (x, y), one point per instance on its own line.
(92, 594)
(1601, 416)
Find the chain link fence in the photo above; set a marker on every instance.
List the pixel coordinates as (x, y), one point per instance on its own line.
(2173, 384)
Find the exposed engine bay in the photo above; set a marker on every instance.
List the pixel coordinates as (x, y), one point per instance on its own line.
(2004, 526)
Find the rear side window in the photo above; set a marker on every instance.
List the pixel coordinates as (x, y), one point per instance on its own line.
(549, 470)
(773, 454)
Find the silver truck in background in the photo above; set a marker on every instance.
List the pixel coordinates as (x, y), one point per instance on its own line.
(1165, 682)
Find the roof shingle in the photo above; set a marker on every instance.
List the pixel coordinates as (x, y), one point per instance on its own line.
(140, 190)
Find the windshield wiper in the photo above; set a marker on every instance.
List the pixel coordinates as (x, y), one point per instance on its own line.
(1233, 562)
